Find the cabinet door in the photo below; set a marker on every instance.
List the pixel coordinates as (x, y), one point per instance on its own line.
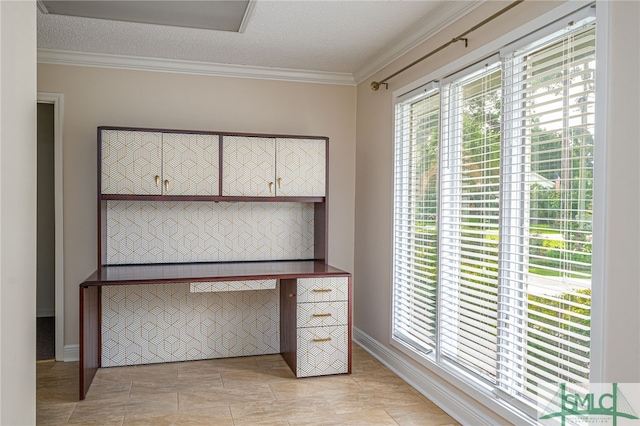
(301, 167)
(131, 162)
(248, 166)
(190, 164)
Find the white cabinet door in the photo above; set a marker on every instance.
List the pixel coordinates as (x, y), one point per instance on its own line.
(131, 162)
(190, 164)
(301, 167)
(248, 166)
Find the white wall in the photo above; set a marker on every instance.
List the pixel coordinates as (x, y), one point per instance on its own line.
(621, 239)
(620, 339)
(99, 96)
(17, 212)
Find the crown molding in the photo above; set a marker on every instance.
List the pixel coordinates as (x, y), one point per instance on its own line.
(416, 35)
(60, 57)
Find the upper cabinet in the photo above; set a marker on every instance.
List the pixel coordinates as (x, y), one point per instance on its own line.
(156, 163)
(131, 162)
(191, 164)
(269, 167)
(138, 162)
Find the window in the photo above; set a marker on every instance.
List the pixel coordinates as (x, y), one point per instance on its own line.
(492, 223)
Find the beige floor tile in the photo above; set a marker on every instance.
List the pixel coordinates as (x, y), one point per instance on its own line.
(53, 413)
(244, 391)
(108, 390)
(250, 378)
(91, 411)
(426, 413)
(161, 403)
(220, 416)
(315, 386)
(360, 418)
(194, 401)
(280, 410)
(392, 396)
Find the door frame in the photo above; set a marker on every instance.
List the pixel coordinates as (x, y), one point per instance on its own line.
(57, 100)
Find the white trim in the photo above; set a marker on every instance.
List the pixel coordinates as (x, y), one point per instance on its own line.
(494, 46)
(443, 391)
(415, 36)
(57, 100)
(599, 219)
(48, 56)
(71, 353)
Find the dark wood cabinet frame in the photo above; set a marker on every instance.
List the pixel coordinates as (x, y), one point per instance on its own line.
(287, 271)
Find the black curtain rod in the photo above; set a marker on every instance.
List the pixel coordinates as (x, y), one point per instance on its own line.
(375, 85)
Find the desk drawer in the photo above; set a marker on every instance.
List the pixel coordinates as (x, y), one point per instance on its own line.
(322, 351)
(322, 314)
(323, 289)
(207, 287)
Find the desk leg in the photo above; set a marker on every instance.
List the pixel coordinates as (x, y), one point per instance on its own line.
(90, 336)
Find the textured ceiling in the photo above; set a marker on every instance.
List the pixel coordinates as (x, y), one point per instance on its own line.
(324, 36)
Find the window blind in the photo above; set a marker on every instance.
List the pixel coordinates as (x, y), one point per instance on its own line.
(493, 198)
(545, 277)
(415, 223)
(469, 220)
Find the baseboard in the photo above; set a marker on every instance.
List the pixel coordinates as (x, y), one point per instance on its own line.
(71, 353)
(463, 409)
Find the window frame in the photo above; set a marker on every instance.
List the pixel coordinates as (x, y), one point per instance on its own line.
(546, 23)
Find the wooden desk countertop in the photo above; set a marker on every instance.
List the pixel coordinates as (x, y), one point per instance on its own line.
(199, 272)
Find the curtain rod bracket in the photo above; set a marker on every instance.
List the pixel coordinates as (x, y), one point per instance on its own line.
(376, 85)
(457, 39)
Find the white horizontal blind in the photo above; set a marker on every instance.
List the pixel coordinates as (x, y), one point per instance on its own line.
(548, 196)
(492, 222)
(415, 227)
(469, 220)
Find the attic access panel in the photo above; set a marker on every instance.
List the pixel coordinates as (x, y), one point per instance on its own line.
(223, 15)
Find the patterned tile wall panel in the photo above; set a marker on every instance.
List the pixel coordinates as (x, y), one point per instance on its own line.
(146, 324)
(248, 166)
(205, 287)
(131, 161)
(301, 167)
(322, 351)
(191, 164)
(140, 232)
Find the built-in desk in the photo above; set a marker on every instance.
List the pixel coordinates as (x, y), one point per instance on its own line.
(288, 272)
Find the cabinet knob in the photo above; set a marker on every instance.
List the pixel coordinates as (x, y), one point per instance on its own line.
(292, 295)
(270, 187)
(166, 185)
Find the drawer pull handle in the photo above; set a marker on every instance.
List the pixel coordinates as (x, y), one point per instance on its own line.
(322, 340)
(322, 290)
(321, 315)
(166, 185)
(157, 181)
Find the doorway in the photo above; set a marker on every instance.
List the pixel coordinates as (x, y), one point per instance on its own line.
(49, 274)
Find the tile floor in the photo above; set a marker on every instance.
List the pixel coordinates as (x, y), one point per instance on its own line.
(259, 390)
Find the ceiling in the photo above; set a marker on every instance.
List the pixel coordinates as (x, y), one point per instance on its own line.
(349, 38)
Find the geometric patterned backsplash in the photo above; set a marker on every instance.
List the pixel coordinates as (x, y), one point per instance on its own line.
(141, 232)
(145, 324)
